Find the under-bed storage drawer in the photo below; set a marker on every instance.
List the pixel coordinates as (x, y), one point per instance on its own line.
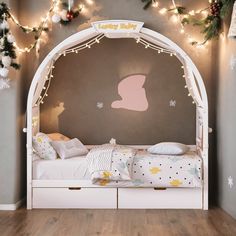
(150, 198)
(75, 198)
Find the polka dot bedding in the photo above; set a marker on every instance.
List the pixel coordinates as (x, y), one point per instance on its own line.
(149, 170)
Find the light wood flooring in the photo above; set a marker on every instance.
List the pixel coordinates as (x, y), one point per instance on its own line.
(116, 222)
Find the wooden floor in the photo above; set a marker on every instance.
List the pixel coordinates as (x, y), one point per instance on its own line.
(116, 222)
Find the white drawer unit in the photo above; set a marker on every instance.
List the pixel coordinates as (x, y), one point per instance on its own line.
(154, 198)
(83, 198)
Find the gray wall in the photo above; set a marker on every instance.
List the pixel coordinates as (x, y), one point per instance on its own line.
(12, 144)
(30, 11)
(81, 80)
(226, 124)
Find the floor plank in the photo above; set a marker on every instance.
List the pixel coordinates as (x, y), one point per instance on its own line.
(116, 222)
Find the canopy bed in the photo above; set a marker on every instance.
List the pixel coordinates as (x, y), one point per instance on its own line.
(52, 190)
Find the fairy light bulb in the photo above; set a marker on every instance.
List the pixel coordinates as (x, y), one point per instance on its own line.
(186, 86)
(147, 46)
(182, 31)
(97, 41)
(192, 13)
(155, 4)
(138, 40)
(174, 19)
(163, 11)
(90, 2)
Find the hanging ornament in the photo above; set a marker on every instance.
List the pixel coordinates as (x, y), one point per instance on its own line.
(63, 15)
(56, 18)
(70, 15)
(4, 84)
(4, 25)
(4, 72)
(11, 38)
(6, 61)
(232, 29)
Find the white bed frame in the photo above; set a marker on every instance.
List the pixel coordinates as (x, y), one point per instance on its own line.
(76, 194)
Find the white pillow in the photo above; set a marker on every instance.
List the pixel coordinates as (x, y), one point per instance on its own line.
(42, 146)
(71, 148)
(168, 148)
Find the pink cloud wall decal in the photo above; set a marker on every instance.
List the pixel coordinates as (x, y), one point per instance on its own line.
(133, 95)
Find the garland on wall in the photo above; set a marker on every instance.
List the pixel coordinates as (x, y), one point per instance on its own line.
(64, 11)
(209, 19)
(60, 11)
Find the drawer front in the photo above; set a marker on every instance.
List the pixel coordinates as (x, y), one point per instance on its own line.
(103, 198)
(170, 198)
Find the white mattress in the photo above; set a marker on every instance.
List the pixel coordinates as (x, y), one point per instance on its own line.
(147, 171)
(68, 169)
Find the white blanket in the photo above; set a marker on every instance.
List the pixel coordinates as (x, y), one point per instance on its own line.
(110, 162)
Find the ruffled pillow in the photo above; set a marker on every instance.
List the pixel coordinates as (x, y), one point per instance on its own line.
(42, 146)
(71, 148)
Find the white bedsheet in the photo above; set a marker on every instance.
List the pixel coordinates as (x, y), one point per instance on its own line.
(68, 169)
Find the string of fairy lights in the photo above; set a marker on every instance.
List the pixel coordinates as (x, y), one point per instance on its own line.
(88, 45)
(178, 19)
(53, 14)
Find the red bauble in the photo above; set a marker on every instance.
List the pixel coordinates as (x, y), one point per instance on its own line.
(70, 15)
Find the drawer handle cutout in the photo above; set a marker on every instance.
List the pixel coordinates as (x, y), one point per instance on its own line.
(156, 189)
(74, 188)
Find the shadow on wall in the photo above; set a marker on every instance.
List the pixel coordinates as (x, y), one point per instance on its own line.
(86, 84)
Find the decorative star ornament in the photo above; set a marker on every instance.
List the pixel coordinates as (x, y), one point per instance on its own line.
(230, 181)
(172, 103)
(100, 105)
(113, 141)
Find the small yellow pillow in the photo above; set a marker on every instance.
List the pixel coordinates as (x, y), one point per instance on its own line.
(58, 137)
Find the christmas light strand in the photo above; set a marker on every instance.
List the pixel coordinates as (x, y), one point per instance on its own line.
(88, 45)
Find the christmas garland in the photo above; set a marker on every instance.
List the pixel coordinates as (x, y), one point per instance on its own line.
(211, 24)
(62, 12)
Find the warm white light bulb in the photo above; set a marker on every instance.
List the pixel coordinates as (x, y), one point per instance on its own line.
(155, 3)
(163, 11)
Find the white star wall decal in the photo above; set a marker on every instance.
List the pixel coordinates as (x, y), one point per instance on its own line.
(230, 181)
(100, 105)
(172, 103)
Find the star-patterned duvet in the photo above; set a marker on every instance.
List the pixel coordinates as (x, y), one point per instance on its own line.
(145, 170)
(148, 170)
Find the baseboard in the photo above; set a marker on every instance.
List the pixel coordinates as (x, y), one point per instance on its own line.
(12, 207)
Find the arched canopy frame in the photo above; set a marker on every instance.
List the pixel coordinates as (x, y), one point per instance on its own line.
(120, 29)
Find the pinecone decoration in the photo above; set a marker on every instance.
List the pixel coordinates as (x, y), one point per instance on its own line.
(215, 8)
